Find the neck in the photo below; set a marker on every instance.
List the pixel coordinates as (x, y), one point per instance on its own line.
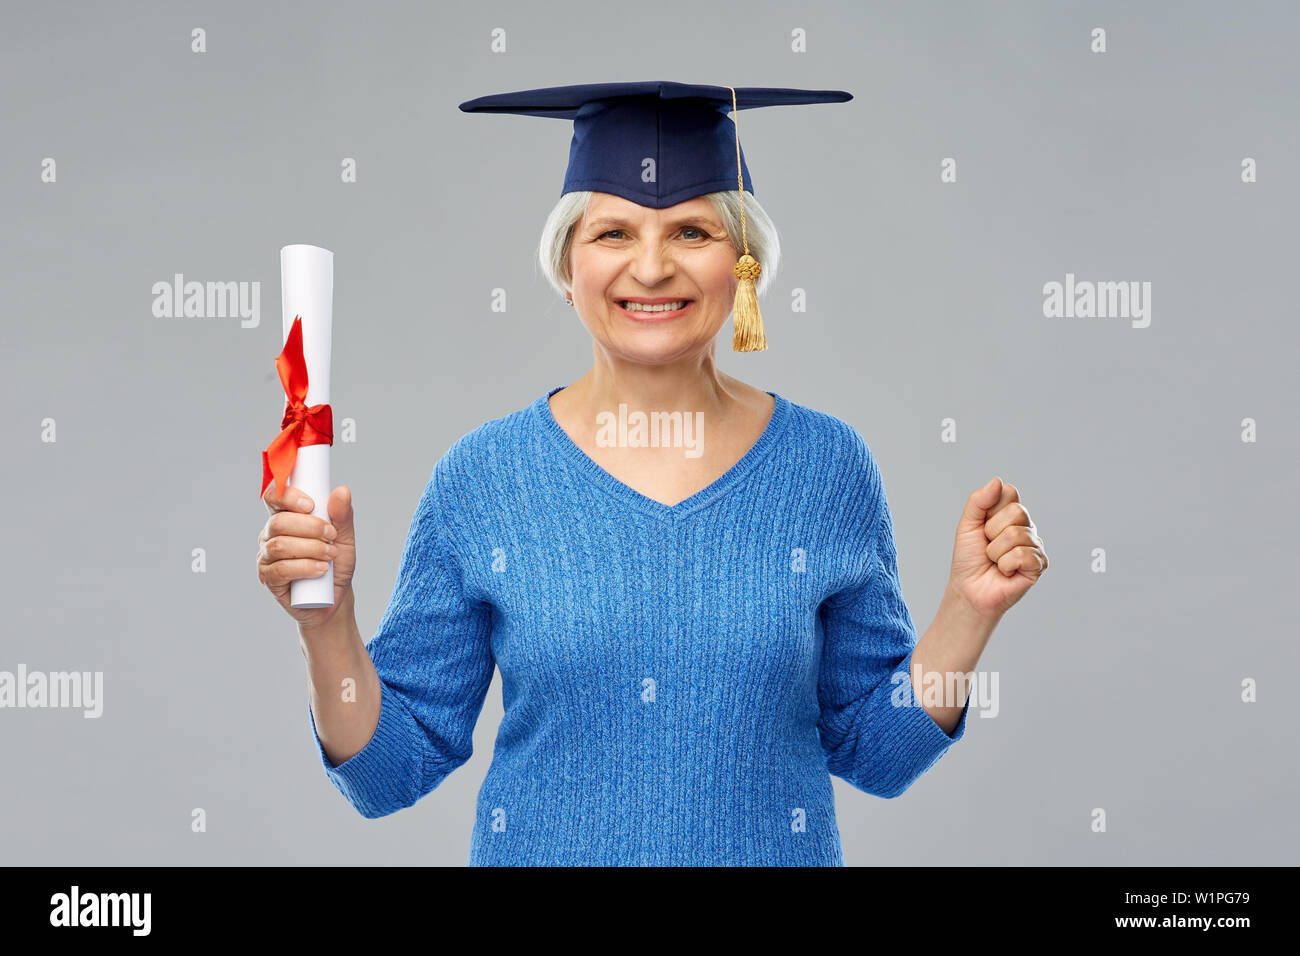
(692, 383)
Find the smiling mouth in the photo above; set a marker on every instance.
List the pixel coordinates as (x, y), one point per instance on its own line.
(663, 310)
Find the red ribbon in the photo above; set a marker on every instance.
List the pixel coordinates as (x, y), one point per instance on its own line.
(301, 425)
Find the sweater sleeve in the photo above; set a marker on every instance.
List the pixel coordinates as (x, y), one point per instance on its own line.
(874, 731)
(434, 659)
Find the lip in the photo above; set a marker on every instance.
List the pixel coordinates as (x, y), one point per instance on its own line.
(649, 317)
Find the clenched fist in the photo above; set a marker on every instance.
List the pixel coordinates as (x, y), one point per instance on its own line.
(998, 555)
(295, 544)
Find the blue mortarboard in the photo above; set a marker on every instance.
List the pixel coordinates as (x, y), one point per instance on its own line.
(681, 127)
(658, 144)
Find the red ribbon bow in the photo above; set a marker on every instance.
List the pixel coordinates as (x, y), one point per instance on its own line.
(301, 425)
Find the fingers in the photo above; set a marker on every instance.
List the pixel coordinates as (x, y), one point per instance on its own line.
(1012, 513)
(1023, 558)
(1014, 536)
(287, 557)
(284, 572)
(294, 499)
(976, 511)
(297, 526)
(294, 543)
(339, 507)
(282, 547)
(1009, 494)
(295, 520)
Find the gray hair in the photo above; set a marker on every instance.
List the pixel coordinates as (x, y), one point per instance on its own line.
(557, 235)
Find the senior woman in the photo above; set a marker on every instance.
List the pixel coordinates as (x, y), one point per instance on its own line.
(689, 584)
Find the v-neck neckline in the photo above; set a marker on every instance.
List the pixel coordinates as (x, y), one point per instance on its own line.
(567, 449)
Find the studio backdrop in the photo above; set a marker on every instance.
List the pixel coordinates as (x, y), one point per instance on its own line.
(1048, 241)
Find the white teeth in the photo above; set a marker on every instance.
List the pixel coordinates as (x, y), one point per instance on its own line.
(665, 307)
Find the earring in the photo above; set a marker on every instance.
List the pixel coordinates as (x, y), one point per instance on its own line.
(568, 300)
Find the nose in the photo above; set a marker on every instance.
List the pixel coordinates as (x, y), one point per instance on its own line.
(652, 264)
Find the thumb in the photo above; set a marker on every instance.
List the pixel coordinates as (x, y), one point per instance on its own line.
(978, 505)
(340, 512)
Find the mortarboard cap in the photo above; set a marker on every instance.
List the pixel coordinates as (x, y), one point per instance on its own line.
(657, 144)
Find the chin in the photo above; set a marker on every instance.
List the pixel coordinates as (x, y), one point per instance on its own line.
(658, 348)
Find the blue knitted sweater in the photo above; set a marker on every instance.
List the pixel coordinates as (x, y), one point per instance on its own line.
(677, 681)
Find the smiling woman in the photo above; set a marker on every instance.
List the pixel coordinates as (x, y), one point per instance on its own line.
(692, 636)
(651, 285)
(722, 219)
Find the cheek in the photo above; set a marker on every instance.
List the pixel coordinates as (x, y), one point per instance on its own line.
(593, 273)
(724, 268)
(724, 290)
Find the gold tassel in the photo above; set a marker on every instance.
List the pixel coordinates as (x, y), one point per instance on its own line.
(747, 322)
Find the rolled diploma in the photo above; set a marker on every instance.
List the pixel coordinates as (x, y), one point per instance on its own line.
(307, 290)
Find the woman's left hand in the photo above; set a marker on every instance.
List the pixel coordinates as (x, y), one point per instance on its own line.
(998, 555)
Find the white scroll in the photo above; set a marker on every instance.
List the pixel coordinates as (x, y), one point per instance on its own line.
(307, 291)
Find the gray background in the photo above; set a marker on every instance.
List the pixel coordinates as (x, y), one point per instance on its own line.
(1118, 690)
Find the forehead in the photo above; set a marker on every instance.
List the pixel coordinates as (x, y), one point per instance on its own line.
(607, 207)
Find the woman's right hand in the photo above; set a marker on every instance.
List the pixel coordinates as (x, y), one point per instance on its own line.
(294, 543)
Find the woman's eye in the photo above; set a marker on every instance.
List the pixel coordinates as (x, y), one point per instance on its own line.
(700, 233)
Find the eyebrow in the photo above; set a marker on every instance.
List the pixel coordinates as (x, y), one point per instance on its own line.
(605, 221)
